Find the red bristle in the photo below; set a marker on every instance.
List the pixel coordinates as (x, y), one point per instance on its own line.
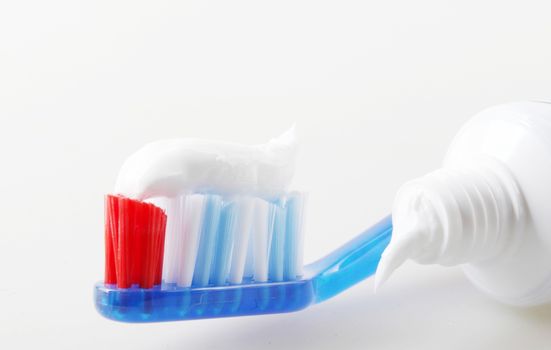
(120, 253)
(160, 249)
(125, 229)
(152, 254)
(114, 223)
(132, 235)
(152, 267)
(145, 281)
(154, 243)
(110, 271)
(143, 260)
(134, 242)
(137, 241)
(113, 213)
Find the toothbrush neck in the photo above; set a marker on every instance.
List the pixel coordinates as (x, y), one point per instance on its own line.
(468, 213)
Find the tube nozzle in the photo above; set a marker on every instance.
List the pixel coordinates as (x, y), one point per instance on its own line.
(398, 251)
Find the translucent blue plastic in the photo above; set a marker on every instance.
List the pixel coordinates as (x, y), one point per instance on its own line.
(322, 280)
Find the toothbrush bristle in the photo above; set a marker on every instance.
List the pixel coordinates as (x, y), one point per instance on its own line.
(210, 240)
(134, 239)
(232, 239)
(110, 219)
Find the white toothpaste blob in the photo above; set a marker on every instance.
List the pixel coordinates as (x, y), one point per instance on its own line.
(486, 209)
(168, 168)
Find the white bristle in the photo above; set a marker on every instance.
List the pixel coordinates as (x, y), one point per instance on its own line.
(277, 248)
(192, 218)
(262, 229)
(241, 239)
(249, 262)
(174, 208)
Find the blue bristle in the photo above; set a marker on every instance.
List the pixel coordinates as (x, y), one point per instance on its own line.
(293, 209)
(224, 240)
(277, 248)
(205, 255)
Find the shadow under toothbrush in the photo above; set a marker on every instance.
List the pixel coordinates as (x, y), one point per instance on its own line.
(322, 280)
(438, 309)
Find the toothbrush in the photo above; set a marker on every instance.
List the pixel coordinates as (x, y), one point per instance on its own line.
(323, 279)
(229, 245)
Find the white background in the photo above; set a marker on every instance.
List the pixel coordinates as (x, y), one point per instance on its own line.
(378, 89)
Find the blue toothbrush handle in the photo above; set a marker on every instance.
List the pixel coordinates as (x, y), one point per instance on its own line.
(351, 263)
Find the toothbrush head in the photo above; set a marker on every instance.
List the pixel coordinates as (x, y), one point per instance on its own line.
(202, 255)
